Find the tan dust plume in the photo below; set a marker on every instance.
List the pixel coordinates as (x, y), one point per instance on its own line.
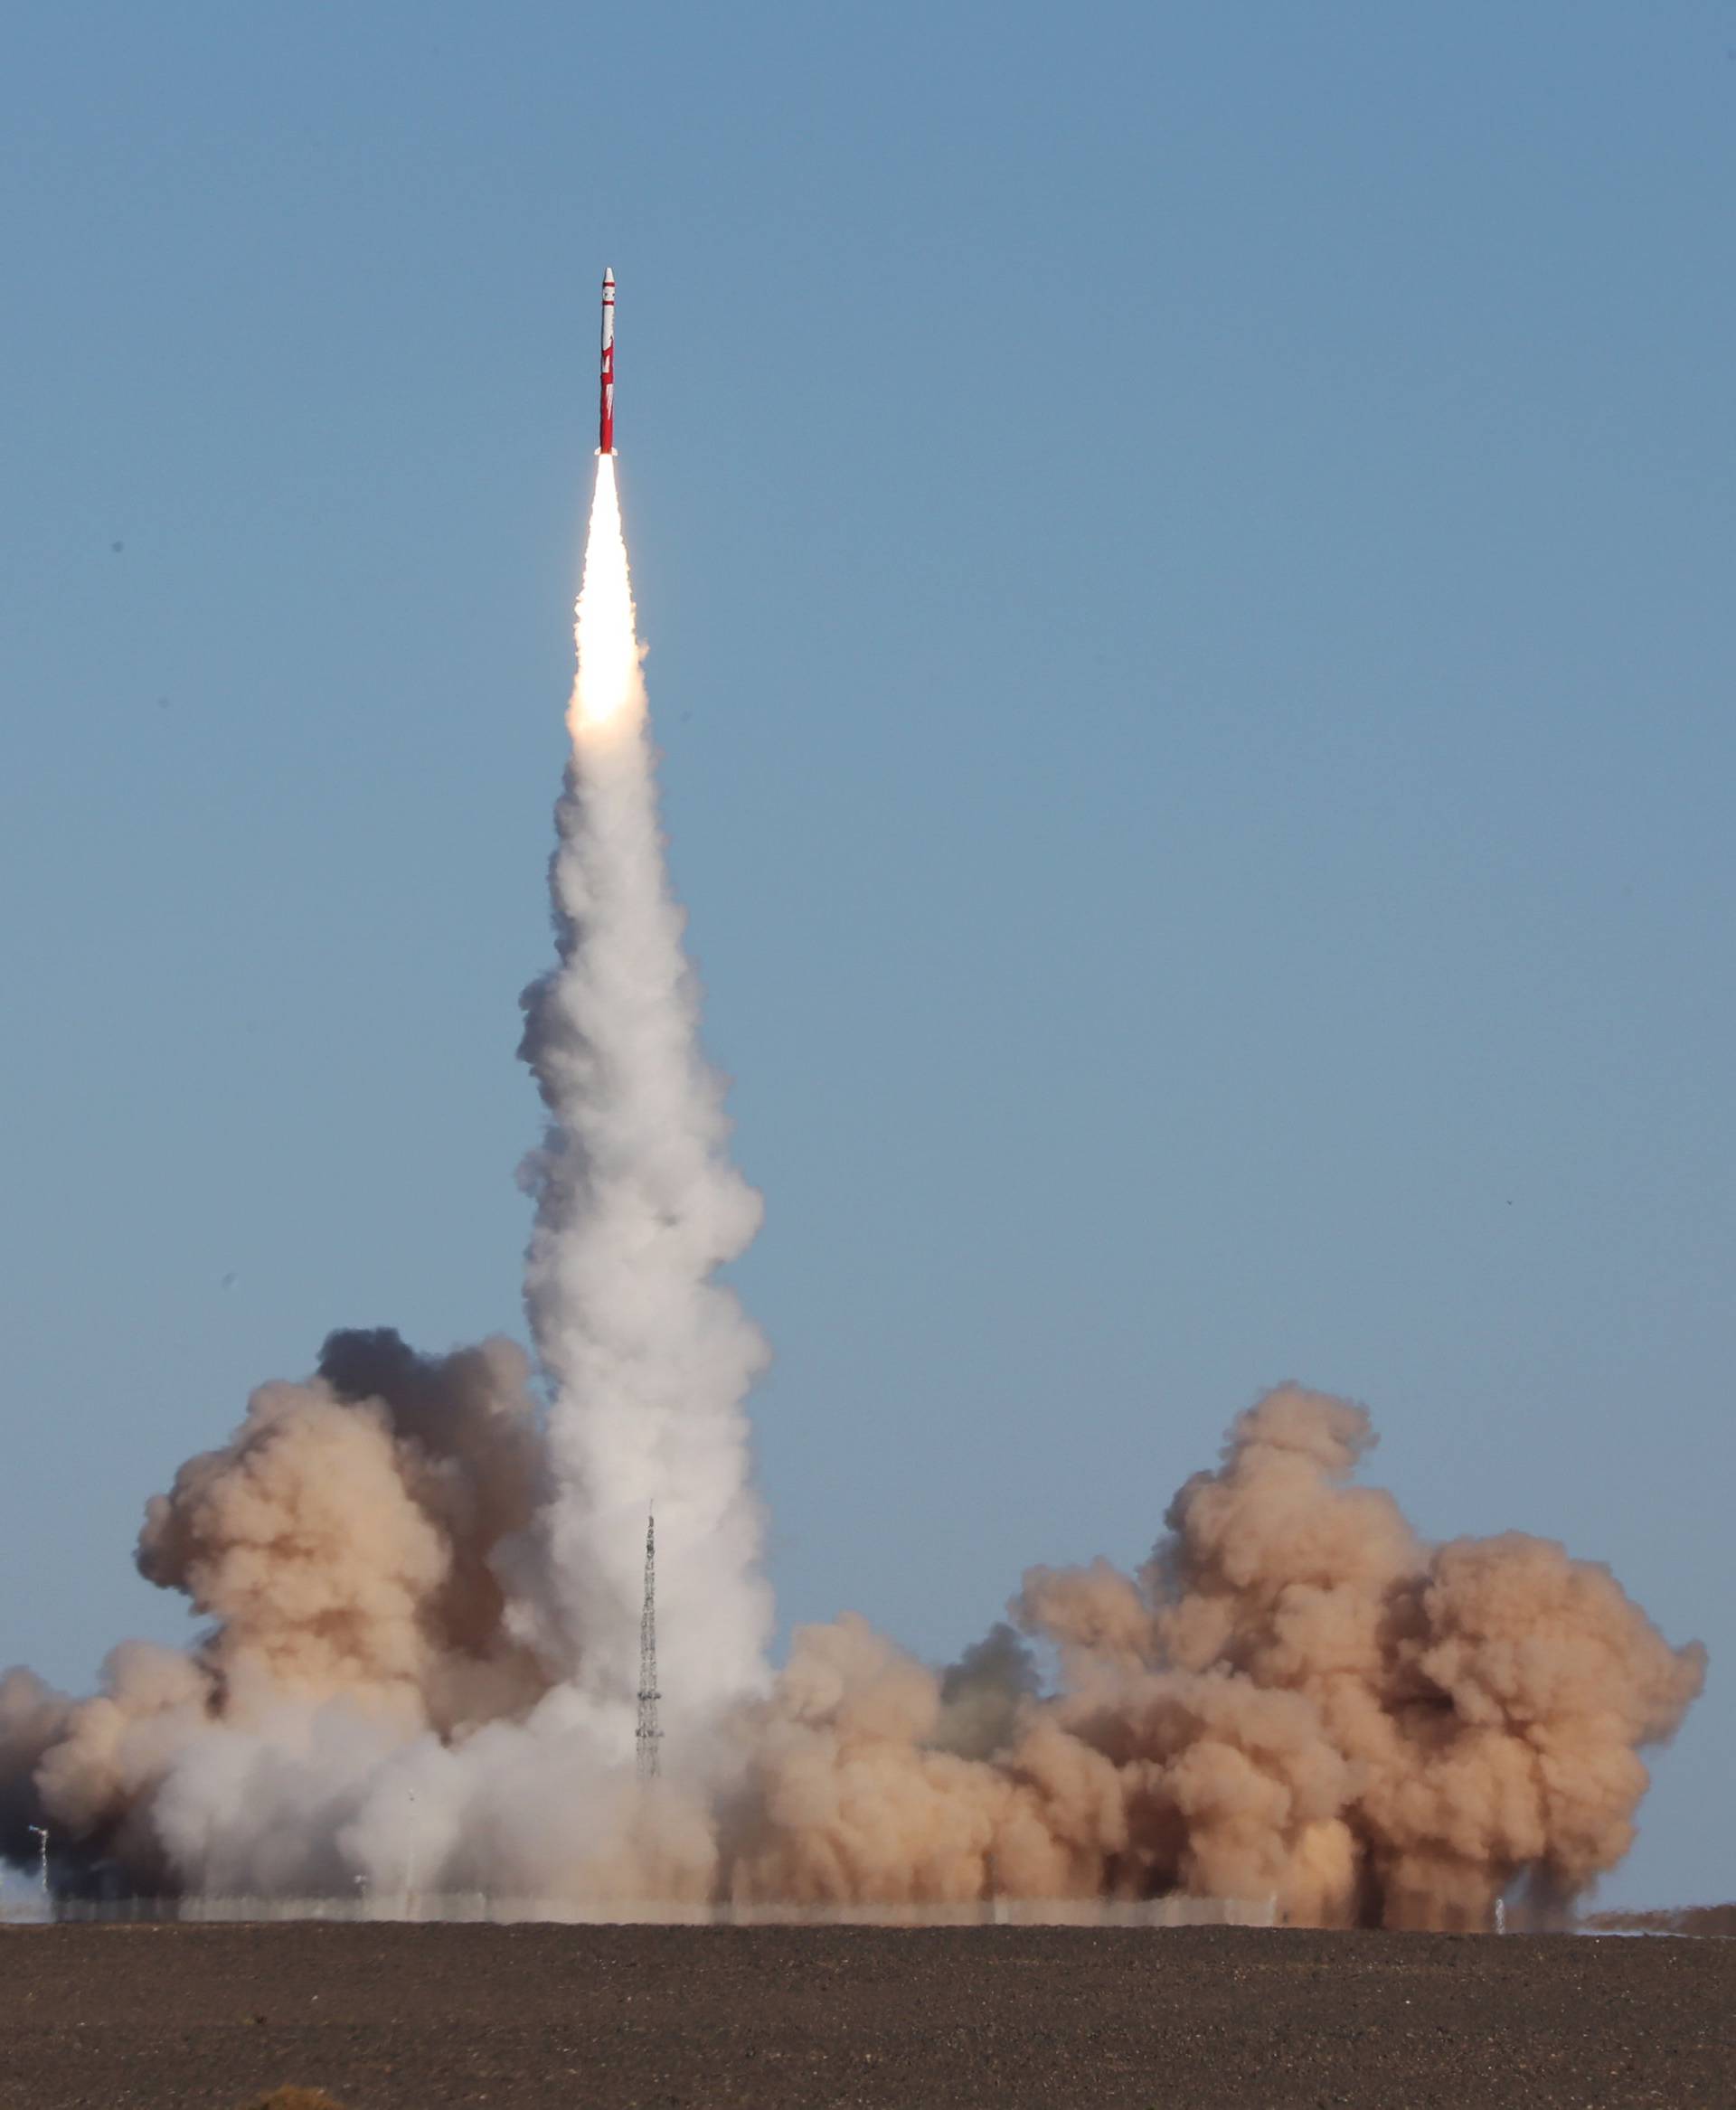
(1293, 1699)
(343, 1545)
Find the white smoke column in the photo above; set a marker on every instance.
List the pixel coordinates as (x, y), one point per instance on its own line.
(638, 1207)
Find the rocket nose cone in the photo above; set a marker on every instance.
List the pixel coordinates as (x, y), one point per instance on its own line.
(608, 277)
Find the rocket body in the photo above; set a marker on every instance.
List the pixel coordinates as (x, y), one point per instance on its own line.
(606, 409)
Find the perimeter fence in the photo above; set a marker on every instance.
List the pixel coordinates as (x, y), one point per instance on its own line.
(475, 1907)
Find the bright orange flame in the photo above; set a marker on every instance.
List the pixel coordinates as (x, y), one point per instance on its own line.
(607, 692)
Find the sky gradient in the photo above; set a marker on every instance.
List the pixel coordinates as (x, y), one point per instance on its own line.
(1186, 558)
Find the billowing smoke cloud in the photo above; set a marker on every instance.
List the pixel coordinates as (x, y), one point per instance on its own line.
(1292, 1700)
(344, 1539)
(345, 1545)
(421, 1594)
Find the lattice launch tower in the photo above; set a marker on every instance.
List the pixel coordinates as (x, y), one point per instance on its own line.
(650, 1736)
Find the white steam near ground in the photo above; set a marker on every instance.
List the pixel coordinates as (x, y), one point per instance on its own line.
(419, 1667)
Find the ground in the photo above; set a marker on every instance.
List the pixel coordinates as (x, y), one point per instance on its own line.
(406, 2017)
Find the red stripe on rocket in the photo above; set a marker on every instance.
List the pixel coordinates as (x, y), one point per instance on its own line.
(606, 412)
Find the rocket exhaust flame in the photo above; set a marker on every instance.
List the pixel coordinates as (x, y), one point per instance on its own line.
(607, 690)
(423, 1605)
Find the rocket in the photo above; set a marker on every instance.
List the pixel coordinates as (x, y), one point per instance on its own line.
(606, 408)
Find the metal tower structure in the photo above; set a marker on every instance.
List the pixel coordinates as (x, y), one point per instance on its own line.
(650, 1735)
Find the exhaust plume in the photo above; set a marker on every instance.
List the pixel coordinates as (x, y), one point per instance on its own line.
(637, 1206)
(418, 1668)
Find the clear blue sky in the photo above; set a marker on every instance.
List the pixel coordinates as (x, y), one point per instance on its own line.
(1187, 557)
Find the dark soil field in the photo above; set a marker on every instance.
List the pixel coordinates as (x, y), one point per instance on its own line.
(395, 2018)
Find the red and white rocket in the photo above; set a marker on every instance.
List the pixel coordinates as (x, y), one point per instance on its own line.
(605, 411)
